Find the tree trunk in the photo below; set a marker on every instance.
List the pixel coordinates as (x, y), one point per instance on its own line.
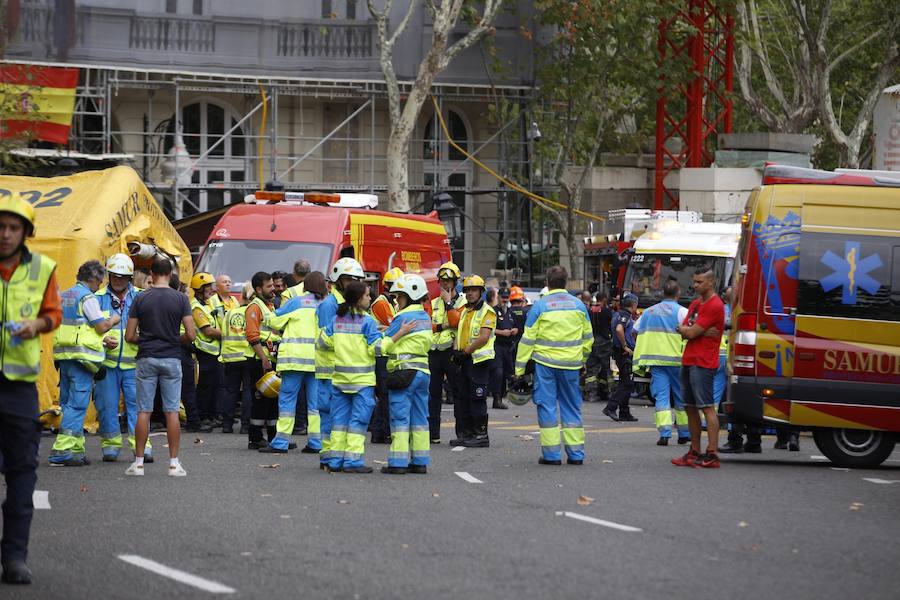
(397, 171)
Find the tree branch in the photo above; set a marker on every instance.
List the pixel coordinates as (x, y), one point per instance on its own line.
(491, 8)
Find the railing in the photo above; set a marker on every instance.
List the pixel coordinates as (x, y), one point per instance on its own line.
(326, 40)
(40, 25)
(172, 34)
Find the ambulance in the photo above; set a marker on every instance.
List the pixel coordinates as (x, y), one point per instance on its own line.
(272, 230)
(816, 324)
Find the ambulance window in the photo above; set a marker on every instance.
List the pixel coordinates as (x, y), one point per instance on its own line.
(895, 277)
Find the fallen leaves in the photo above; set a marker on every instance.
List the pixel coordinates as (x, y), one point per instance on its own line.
(272, 466)
(584, 500)
(526, 438)
(84, 488)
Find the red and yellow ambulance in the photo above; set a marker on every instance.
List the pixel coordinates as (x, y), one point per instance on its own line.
(815, 339)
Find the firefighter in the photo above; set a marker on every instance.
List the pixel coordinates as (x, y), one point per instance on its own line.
(296, 319)
(408, 379)
(473, 352)
(444, 319)
(207, 346)
(79, 349)
(117, 298)
(558, 338)
(236, 365)
(659, 347)
(30, 304)
(597, 367)
(383, 309)
(344, 271)
(262, 340)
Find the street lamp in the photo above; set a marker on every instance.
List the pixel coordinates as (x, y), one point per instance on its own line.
(449, 214)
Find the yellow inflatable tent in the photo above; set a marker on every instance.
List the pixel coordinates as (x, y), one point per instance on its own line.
(91, 215)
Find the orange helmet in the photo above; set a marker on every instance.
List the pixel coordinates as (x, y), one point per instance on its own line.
(516, 293)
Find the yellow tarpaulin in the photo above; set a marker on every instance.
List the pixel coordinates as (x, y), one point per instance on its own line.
(91, 215)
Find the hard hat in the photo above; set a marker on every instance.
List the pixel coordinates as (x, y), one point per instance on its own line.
(19, 207)
(346, 266)
(448, 270)
(411, 285)
(391, 276)
(521, 391)
(516, 293)
(544, 291)
(473, 281)
(201, 279)
(269, 385)
(120, 264)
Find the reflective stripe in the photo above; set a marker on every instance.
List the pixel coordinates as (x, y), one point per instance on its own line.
(74, 322)
(378, 348)
(233, 355)
(13, 369)
(234, 338)
(324, 370)
(552, 362)
(526, 341)
(290, 360)
(350, 388)
(560, 344)
(521, 365)
(667, 360)
(79, 349)
(344, 369)
(418, 366)
(411, 357)
(442, 346)
(300, 340)
(208, 347)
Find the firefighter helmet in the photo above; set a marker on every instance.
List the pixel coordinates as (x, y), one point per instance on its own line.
(120, 264)
(391, 276)
(20, 207)
(448, 270)
(201, 279)
(346, 266)
(516, 293)
(269, 385)
(521, 391)
(411, 285)
(473, 281)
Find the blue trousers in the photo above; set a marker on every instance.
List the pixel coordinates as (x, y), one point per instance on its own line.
(350, 416)
(409, 423)
(323, 404)
(558, 399)
(291, 384)
(665, 385)
(75, 385)
(106, 398)
(720, 381)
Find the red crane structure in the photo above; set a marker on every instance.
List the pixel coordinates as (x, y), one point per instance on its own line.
(688, 116)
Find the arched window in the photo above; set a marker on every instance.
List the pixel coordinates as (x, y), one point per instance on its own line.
(436, 141)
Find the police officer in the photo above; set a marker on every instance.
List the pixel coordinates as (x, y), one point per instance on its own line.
(383, 309)
(558, 338)
(31, 305)
(623, 349)
(207, 347)
(473, 352)
(659, 347)
(506, 333)
(79, 349)
(444, 320)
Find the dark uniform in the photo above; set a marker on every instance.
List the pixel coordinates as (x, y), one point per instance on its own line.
(597, 367)
(504, 359)
(622, 395)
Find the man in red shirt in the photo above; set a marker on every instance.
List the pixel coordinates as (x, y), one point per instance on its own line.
(702, 328)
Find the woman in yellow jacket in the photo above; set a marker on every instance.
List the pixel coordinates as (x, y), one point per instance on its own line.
(356, 341)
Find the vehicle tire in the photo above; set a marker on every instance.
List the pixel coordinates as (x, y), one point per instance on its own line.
(855, 447)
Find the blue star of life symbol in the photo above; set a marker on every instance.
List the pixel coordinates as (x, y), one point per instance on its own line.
(851, 272)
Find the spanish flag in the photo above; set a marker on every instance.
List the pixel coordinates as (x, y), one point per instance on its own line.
(37, 102)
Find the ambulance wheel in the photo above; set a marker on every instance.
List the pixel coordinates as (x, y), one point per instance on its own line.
(855, 448)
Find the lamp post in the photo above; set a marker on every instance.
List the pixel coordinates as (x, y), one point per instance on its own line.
(450, 215)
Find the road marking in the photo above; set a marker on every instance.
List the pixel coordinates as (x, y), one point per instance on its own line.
(457, 448)
(588, 519)
(206, 585)
(466, 477)
(817, 457)
(157, 434)
(41, 500)
(883, 481)
(839, 468)
(621, 430)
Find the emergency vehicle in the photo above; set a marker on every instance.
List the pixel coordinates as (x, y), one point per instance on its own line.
(816, 325)
(272, 230)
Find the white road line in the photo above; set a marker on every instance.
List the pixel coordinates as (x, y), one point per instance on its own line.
(41, 500)
(882, 481)
(180, 576)
(817, 457)
(157, 434)
(457, 448)
(466, 477)
(839, 468)
(588, 519)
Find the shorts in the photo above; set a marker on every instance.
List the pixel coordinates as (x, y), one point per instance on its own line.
(164, 372)
(697, 386)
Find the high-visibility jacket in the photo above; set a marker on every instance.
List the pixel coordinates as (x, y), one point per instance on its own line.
(356, 342)
(295, 291)
(203, 342)
(486, 352)
(221, 307)
(234, 340)
(443, 339)
(557, 333)
(658, 341)
(411, 350)
(382, 309)
(296, 319)
(124, 355)
(325, 314)
(266, 335)
(21, 298)
(76, 339)
(723, 345)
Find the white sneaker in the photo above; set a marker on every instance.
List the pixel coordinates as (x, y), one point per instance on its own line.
(177, 471)
(135, 469)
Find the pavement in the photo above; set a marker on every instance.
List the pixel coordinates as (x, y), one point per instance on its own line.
(483, 523)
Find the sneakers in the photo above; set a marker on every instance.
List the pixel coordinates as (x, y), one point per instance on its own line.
(708, 460)
(575, 461)
(135, 470)
(663, 441)
(394, 470)
(362, 469)
(684, 440)
(627, 417)
(177, 471)
(687, 460)
(610, 413)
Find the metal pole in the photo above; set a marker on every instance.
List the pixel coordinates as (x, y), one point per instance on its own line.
(273, 147)
(221, 139)
(175, 199)
(326, 138)
(372, 147)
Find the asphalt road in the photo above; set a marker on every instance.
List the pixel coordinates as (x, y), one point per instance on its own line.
(780, 523)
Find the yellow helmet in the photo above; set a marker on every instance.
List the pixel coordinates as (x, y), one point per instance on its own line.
(448, 270)
(391, 276)
(17, 205)
(201, 279)
(473, 281)
(269, 385)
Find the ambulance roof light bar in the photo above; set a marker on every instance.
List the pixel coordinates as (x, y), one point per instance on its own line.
(313, 198)
(781, 174)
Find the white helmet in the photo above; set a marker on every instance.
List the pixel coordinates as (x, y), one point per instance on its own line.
(120, 264)
(411, 285)
(544, 291)
(346, 266)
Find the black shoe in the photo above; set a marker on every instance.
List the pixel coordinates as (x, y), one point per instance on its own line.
(780, 445)
(271, 450)
(794, 443)
(198, 428)
(753, 448)
(574, 461)
(257, 445)
(662, 441)
(308, 450)
(299, 431)
(394, 470)
(544, 461)
(362, 469)
(478, 441)
(245, 429)
(323, 466)
(610, 413)
(380, 439)
(436, 441)
(460, 441)
(627, 417)
(16, 572)
(330, 469)
(148, 460)
(683, 440)
(417, 469)
(227, 429)
(732, 448)
(498, 404)
(110, 458)
(292, 446)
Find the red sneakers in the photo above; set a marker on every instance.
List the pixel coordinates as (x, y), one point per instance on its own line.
(709, 460)
(687, 460)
